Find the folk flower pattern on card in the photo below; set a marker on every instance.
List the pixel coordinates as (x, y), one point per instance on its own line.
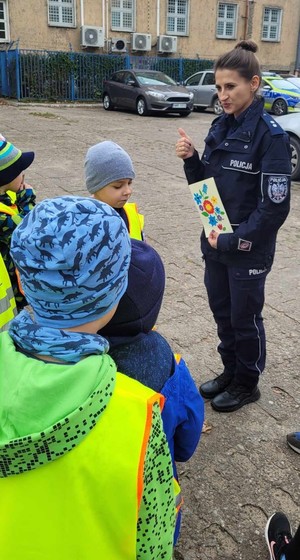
(209, 204)
(209, 209)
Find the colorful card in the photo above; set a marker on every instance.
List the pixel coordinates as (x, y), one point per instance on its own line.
(210, 207)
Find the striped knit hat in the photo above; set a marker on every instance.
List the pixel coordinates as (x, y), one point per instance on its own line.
(12, 161)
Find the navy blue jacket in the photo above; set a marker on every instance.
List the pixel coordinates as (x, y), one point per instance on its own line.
(250, 160)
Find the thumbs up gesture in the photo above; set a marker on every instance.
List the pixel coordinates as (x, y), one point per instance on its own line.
(184, 146)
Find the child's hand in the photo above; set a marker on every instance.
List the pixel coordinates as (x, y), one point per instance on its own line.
(25, 186)
(184, 146)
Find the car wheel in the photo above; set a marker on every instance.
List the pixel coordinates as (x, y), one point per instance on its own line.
(279, 107)
(107, 104)
(217, 107)
(295, 146)
(141, 107)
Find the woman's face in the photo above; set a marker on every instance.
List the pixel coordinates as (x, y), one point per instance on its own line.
(234, 92)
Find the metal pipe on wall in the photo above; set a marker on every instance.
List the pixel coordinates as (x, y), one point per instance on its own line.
(103, 19)
(157, 17)
(246, 20)
(81, 12)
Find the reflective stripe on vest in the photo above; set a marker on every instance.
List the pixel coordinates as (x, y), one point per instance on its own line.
(135, 221)
(84, 505)
(10, 210)
(8, 308)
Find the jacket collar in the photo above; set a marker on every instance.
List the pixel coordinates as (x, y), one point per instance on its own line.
(244, 126)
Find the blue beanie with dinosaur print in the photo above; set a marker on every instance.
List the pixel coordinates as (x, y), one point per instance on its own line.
(73, 255)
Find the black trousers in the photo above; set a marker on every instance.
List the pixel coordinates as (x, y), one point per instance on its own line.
(236, 299)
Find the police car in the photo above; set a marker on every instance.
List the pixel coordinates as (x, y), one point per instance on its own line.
(280, 95)
(291, 124)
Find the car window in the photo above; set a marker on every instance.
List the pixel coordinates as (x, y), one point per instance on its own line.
(284, 84)
(118, 77)
(154, 79)
(128, 77)
(209, 79)
(194, 80)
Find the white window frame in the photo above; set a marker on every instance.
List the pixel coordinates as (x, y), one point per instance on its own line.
(6, 22)
(61, 4)
(121, 10)
(224, 20)
(267, 26)
(176, 16)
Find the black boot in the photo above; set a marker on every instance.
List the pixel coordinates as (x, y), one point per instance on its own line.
(234, 397)
(211, 388)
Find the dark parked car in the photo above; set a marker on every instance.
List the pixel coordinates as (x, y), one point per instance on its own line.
(146, 91)
(202, 85)
(291, 124)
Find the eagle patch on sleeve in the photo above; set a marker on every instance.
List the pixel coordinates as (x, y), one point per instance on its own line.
(278, 188)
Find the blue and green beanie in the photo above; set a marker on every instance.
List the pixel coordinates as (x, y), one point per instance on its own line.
(73, 255)
(12, 161)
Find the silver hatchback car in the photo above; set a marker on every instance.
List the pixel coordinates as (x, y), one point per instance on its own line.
(146, 91)
(202, 85)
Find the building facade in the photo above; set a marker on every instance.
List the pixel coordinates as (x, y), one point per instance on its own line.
(175, 28)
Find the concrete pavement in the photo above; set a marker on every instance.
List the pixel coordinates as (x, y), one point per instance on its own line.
(242, 470)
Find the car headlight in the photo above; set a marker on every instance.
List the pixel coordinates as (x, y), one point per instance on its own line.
(157, 95)
(191, 95)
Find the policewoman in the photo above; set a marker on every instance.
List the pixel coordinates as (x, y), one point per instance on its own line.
(248, 155)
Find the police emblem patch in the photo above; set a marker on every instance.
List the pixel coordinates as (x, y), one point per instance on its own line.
(278, 188)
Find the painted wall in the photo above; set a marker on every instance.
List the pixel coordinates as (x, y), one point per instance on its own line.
(28, 23)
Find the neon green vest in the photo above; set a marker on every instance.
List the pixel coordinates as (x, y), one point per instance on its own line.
(84, 505)
(7, 301)
(135, 221)
(11, 210)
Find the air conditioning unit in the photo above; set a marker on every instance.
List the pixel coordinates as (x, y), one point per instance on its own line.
(91, 36)
(167, 44)
(141, 42)
(118, 45)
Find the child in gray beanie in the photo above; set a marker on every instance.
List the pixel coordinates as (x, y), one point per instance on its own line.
(109, 174)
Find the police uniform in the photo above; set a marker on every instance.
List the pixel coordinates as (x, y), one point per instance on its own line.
(250, 160)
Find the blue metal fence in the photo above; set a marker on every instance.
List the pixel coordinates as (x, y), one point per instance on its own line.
(70, 76)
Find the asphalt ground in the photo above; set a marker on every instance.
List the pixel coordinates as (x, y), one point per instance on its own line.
(242, 470)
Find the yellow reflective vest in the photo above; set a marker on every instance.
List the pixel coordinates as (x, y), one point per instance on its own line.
(11, 210)
(135, 221)
(8, 308)
(84, 505)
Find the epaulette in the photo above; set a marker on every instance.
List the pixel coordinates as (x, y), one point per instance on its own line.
(273, 126)
(216, 119)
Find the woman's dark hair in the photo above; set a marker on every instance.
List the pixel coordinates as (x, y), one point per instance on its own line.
(242, 59)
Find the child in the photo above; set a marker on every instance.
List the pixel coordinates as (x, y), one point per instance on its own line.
(82, 448)
(109, 173)
(16, 200)
(145, 355)
(7, 301)
(278, 534)
(293, 440)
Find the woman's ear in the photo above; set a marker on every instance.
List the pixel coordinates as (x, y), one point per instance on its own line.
(255, 83)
